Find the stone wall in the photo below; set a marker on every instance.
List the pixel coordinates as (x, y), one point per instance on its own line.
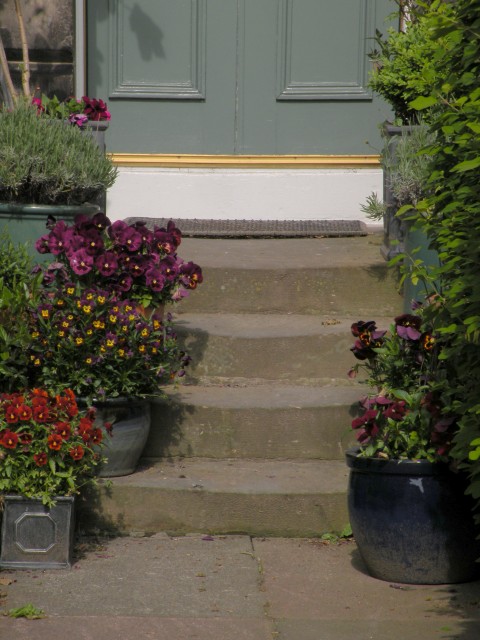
(50, 29)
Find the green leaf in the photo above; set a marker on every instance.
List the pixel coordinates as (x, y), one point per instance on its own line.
(467, 165)
(423, 102)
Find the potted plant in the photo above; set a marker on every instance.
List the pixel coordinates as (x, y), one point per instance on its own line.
(408, 510)
(98, 329)
(48, 451)
(135, 262)
(90, 115)
(47, 168)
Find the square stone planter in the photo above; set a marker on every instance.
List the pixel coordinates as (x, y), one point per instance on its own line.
(35, 536)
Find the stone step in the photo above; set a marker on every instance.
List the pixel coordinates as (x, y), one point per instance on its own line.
(265, 421)
(340, 276)
(258, 498)
(275, 347)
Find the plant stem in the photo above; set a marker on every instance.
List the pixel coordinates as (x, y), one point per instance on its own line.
(10, 94)
(26, 59)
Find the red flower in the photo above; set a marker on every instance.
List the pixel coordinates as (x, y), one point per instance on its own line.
(10, 439)
(77, 452)
(11, 414)
(24, 413)
(40, 459)
(55, 442)
(63, 429)
(96, 436)
(41, 413)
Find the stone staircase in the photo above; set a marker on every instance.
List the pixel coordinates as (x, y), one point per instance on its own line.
(253, 441)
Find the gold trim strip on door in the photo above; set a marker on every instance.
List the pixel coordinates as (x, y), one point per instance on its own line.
(246, 162)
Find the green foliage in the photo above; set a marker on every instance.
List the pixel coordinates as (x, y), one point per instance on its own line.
(406, 63)
(451, 218)
(28, 611)
(47, 161)
(18, 291)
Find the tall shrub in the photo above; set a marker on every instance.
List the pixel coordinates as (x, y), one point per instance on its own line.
(451, 218)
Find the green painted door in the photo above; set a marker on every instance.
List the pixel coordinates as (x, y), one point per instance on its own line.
(236, 76)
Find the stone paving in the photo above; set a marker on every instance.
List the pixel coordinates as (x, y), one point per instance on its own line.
(201, 587)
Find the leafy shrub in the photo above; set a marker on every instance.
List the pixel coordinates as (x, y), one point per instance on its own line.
(451, 219)
(406, 65)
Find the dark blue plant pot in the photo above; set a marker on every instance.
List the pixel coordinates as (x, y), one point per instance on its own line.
(412, 521)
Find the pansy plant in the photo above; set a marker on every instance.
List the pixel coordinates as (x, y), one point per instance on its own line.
(403, 416)
(127, 260)
(48, 448)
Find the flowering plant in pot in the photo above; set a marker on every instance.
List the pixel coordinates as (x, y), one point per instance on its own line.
(100, 326)
(100, 345)
(48, 448)
(48, 452)
(130, 260)
(402, 417)
(407, 505)
(77, 112)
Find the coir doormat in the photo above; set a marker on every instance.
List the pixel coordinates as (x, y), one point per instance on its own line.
(195, 228)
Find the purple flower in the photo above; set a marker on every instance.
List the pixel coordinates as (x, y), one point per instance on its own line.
(41, 245)
(169, 267)
(100, 221)
(59, 238)
(191, 275)
(95, 109)
(407, 326)
(107, 264)
(154, 279)
(125, 282)
(81, 262)
(93, 242)
(125, 236)
(79, 119)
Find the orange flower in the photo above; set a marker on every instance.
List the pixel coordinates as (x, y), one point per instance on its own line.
(55, 442)
(77, 452)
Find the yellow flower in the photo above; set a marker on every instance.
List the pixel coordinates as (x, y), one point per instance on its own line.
(110, 343)
(70, 291)
(87, 308)
(121, 353)
(112, 318)
(141, 348)
(101, 299)
(79, 341)
(89, 296)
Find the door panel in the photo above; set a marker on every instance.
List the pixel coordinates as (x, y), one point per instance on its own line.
(160, 76)
(236, 76)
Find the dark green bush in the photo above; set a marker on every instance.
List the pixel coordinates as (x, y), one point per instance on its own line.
(451, 219)
(406, 63)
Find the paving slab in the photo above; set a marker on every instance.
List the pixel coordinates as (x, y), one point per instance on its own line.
(157, 587)
(317, 591)
(202, 587)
